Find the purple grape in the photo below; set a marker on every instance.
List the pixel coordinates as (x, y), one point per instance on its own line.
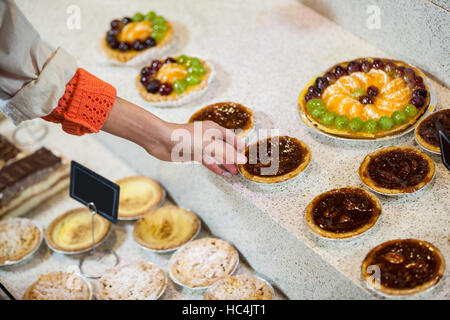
(409, 76)
(354, 66)
(399, 71)
(389, 67)
(366, 66)
(115, 24)
(417, 101)
(366, 100)
(124, 46)
(378, 64)
(330, 76)
(112, 33)
(153, 86)
(340, 71)
(146, 71)
(150, 42)
(420, 92)
(138, 45)
(314, 91)
(145, 80)
(372, 91)
(114, 44)
(126, 20)
(170, 60)
(309, 96)
(156, 65)
(165, 89)
(321, 83)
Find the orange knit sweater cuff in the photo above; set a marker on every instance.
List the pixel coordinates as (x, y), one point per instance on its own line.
(85, 105)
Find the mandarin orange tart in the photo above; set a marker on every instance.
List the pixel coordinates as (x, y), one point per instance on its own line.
(230, 115)
(403, 267)
(366, 98)
(426, 132)
(174, 80)
(130, 37)
(342, 213)
(396, 170)
(275, 159)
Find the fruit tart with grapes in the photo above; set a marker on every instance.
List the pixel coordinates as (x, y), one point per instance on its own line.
(143, 34)
(174, 80)
(366, 98)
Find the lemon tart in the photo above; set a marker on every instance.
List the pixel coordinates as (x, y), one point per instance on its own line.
(138, 35)
(365, 98)
(342, 213)
(138, 195)
(396, 170)
(174, 80)
(18, 239)
(59, 286)
(230, 115)
(426, 132)
(403, 267)
(202, 262)
(275, 159)
(71, 232)
(166, 228)
(240, 287)
(136, 281)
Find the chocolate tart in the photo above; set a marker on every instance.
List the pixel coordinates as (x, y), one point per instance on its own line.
(174, 80)
(166, 228)
(129, 37)
(403, 267)
(59, 286)
(342, 213)
(293, 157)
(396, 170)
(230, 115)
(71, 232)
(362, 94)
(138, 195)
(426, 132)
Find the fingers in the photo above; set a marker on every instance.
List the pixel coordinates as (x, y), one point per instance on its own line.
(211, 165)
(228, 136)
(225, 154)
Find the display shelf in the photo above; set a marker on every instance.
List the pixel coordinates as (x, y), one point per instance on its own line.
(264, 52)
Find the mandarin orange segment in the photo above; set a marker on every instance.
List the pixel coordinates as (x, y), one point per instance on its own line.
(171, 72)
(135, 30)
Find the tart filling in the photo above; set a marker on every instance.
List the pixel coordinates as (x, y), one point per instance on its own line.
(403, 267)
(72, 231)
(366, 98)
(230, 115)
(59, 286)
(342, 213)
(128, 37)
(396, 170)
(275, 159)
(18, 238)
(172, 78)
(427, 134)
(138, 195)
(139, 281)
(240, 287)
(202, 262)
(166, 228)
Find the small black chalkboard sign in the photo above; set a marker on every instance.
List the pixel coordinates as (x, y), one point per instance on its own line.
(86, 186)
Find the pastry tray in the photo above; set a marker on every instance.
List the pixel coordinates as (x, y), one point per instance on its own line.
(41, 231)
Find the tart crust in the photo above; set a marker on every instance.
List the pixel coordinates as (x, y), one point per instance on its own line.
(367, 275)
(276, 179)
(59, 286)
(18, 238)
(243, 131)
(106, 226)
(240, 287)
(155, 97)
(163, 224)
(139, 194)
(130, 54)
(367, 180)
(309, 215)
(309, 120)
(421, 140)
(202, 262)
(137, 281)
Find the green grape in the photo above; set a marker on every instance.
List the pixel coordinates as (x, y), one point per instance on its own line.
(399, 117)
(356, 124)
(157, 35)
(179, 86)
(182, 59)
(328, 118)
(341, 122)
(319, 111)
(150, 16)
(410, 110)
(385, 123)
(357, 93)
(159, 20)
(160, 27)
(138, 17)
(313, 104)
(192, 80)
(370, 126)
(194, 62)
(199, 71)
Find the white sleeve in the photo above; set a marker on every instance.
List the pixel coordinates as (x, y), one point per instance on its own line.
(32, 77)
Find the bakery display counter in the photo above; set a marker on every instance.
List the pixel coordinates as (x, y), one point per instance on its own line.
(264, 53)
